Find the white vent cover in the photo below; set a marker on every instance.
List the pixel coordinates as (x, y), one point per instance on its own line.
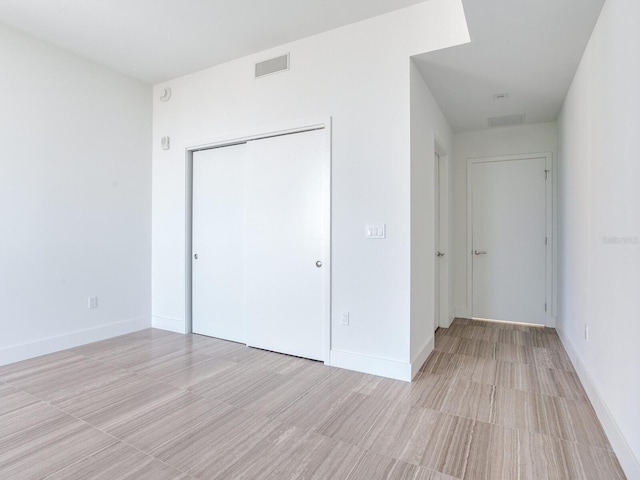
(273, 65)
(507, 120)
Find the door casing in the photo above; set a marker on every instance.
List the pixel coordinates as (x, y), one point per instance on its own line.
(549, 222)
(231, 139)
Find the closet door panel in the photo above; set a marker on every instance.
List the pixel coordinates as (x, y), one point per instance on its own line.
(285, 239)
(219, 256)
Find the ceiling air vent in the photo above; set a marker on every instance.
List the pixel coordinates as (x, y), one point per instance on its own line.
(273, 65)
(507, 120)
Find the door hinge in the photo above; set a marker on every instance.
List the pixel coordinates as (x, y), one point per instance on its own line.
(546, 240)
(545, 307)
(546, 174)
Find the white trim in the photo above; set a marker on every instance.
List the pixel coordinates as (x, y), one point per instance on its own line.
(242, 137)
(418, 362)
(382, 367)
(16, 353)
(550, 215)
(176, 325)
(231, 138)
(444, 233)
(629, 462)
(327, 188)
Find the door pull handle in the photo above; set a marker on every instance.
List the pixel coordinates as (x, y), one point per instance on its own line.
(479, 252)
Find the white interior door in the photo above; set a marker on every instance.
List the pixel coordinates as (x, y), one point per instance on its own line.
(286, 268)
(218, 263)
(508, 246)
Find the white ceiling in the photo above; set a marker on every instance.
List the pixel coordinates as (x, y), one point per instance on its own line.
(529, 49)
(156, 40)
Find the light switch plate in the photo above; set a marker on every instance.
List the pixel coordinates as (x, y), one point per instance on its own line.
(375, 231)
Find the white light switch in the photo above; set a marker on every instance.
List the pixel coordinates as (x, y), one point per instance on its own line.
(378, 230)
(93, 302)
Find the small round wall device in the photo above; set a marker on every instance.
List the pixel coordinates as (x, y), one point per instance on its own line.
(165, 95)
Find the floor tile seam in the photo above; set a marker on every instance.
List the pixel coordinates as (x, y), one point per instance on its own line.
(115, 365)
(79, 419)
(572, 442)
(538, 392)
(146, 377)
(534, 364)
(583, 399)
(122, 366)
(465, 417)
(418, 465)
(41, 400)
(566, 440)
(537, 366)
(495, 383)
(163, 381)
(205, 358)
(3, 376)
(365, 450)
(116, 439)
(297, 398)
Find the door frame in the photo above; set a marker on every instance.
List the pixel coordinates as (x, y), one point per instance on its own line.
(243, 137)
(549, 222)
(442, 180)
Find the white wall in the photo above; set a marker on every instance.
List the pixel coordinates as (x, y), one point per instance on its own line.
(428, 126)
(75, 200)
(599, 218)
(520, 139)
(360, 76)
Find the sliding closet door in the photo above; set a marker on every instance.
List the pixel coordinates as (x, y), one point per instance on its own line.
(218, 263)
(285, 243)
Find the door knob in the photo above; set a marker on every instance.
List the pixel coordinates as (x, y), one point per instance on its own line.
(479, 252)
(195, 256)
(318, 264)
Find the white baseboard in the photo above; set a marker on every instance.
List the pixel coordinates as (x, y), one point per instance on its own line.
(422, 357)
(623, 451)
(373, 365)
(166, 323)
(43, 346)
(460, 312)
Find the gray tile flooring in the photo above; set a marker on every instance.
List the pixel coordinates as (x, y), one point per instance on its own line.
(494, 401)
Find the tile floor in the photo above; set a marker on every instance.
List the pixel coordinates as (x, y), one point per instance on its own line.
(494, 401)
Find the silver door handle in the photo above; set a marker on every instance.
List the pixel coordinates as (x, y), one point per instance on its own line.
(479, 252)
(318, 264)
(440, 254)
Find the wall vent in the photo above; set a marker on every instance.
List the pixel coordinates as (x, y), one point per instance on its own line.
(507, 120)
(273, 65)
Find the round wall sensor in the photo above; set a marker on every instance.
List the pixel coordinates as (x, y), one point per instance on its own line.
(165, 95)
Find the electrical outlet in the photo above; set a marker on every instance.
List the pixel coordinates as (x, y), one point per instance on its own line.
(345, 319)
(93, 302)
(586, 333)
